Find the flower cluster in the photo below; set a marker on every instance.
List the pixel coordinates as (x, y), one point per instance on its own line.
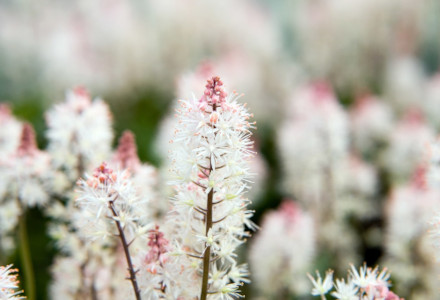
(110, 196)
(83, 228)
(79, 133)
(316, 162)
(365, 284)
(211, 177)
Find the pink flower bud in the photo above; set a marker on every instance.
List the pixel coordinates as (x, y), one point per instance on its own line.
(214, 117)
(126, 154)
(28, 144)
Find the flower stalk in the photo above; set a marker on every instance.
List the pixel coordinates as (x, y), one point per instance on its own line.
(125, 246)
(113, 199)
(207, 254)
(25, 255)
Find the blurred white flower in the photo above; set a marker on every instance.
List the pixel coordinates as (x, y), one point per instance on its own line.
(313, 142)
(404, 85)
(408, 214)
(79, 133)
(283, 250)
(407, 146)
(371, 122)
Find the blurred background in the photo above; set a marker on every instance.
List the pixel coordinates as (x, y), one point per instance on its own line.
(346, 95)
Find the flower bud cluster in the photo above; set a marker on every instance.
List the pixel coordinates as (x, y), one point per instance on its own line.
(210, 165)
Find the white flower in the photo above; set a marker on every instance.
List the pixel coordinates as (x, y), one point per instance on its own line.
(79, 133)
(345, 291)
(26, 172)
(313, 142)
(283, 250)
(211, 153)
(366, 284)
(109, 195)
(408, 142)
(363, 278)
(321, 287)
(369, 277)
(371, 123)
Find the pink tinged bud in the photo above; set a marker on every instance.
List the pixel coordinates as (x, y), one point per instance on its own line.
(104, 175)
(213, 94)
(126, 154)
(102, 178)
(92, 182)
(203, 103)
(152, 269)
(28, 143)
(214, 118)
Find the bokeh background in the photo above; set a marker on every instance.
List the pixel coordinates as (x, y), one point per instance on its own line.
(369, 66)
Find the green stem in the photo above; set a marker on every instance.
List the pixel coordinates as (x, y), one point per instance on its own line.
(25, 255)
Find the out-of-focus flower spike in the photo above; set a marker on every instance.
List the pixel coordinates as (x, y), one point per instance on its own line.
(126, 153)
(28, 143)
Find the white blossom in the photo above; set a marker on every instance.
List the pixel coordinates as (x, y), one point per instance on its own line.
(79, 133)
(211, 175)
(365, 284)
(321, 287)
(345, 291)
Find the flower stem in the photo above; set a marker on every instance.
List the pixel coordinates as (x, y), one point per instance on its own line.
(208, 220)
(127, 254)
(25, 255)
(207, 255)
